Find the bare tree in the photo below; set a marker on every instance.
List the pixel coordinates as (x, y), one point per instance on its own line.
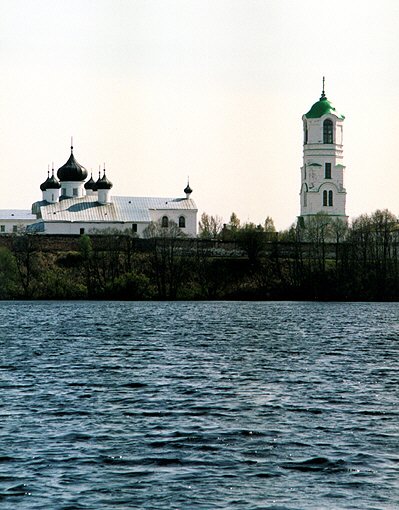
(167, 259)
(210, 226)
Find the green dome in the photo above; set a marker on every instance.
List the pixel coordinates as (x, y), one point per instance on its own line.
(322, 107)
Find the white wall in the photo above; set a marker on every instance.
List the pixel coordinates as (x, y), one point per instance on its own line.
(315, 130)
(315, 202)
(11, 225)
(67, 188)
(69, 228)
(51, 195)
(74, 228)
(173, 215)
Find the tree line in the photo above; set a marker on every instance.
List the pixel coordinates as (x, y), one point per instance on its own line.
(323, 259)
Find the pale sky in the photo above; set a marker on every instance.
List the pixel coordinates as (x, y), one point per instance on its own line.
(159, 90)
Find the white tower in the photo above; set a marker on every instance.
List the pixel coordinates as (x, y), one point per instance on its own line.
(103, 187)
(50, 188)
(322, 174)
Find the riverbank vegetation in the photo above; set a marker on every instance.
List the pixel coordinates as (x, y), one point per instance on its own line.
(327, 260)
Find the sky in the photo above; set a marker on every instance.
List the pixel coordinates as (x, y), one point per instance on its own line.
(213, 90)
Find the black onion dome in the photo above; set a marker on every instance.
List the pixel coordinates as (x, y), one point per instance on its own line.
(53, 182)
(97, 181)
(103, 183)
(72, 170)
(43, 185)
(90, 184)
(50, 183)
(187, 189)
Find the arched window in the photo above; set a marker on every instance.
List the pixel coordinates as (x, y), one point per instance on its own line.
(330, 198)
(182, 222)
(165, 222)
(325, 198)
(328, 131)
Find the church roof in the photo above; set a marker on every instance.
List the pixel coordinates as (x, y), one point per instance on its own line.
(120, 210)
(17, 214)
(322, 107)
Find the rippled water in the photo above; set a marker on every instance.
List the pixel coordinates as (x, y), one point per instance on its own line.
(199, 405)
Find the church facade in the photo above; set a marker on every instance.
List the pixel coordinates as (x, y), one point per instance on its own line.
(322, 174)
(73, 204)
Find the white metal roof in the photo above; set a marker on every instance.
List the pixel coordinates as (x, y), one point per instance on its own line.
(121, 209)
(16, 214)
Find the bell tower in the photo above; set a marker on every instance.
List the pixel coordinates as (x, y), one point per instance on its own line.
(322, 173)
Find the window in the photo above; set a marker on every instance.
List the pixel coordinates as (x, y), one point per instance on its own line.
(2, 228)
(134, 228)
(327, 171)
(328, 131)
(75, 192)
(81, 231)
(63, 192)
(305, 199)
(182, 222)
(52, 197)
(164, 222)
(15, 228)
(328, 199)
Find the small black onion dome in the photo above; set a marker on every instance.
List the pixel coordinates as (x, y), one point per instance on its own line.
(43, 185)
(187, 189)
(50, 183)
(97, 181)
(53, 182)
(72, 170)
(103, 183)
(90, 184)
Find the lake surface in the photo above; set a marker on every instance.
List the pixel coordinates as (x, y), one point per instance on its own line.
(199, 405)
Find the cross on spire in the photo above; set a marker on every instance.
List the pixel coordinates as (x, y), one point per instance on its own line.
(323, 94)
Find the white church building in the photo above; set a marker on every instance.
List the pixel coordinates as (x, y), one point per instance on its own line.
(73, 205)
(322, 173)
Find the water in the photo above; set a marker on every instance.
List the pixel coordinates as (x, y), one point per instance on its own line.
(199, 406)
